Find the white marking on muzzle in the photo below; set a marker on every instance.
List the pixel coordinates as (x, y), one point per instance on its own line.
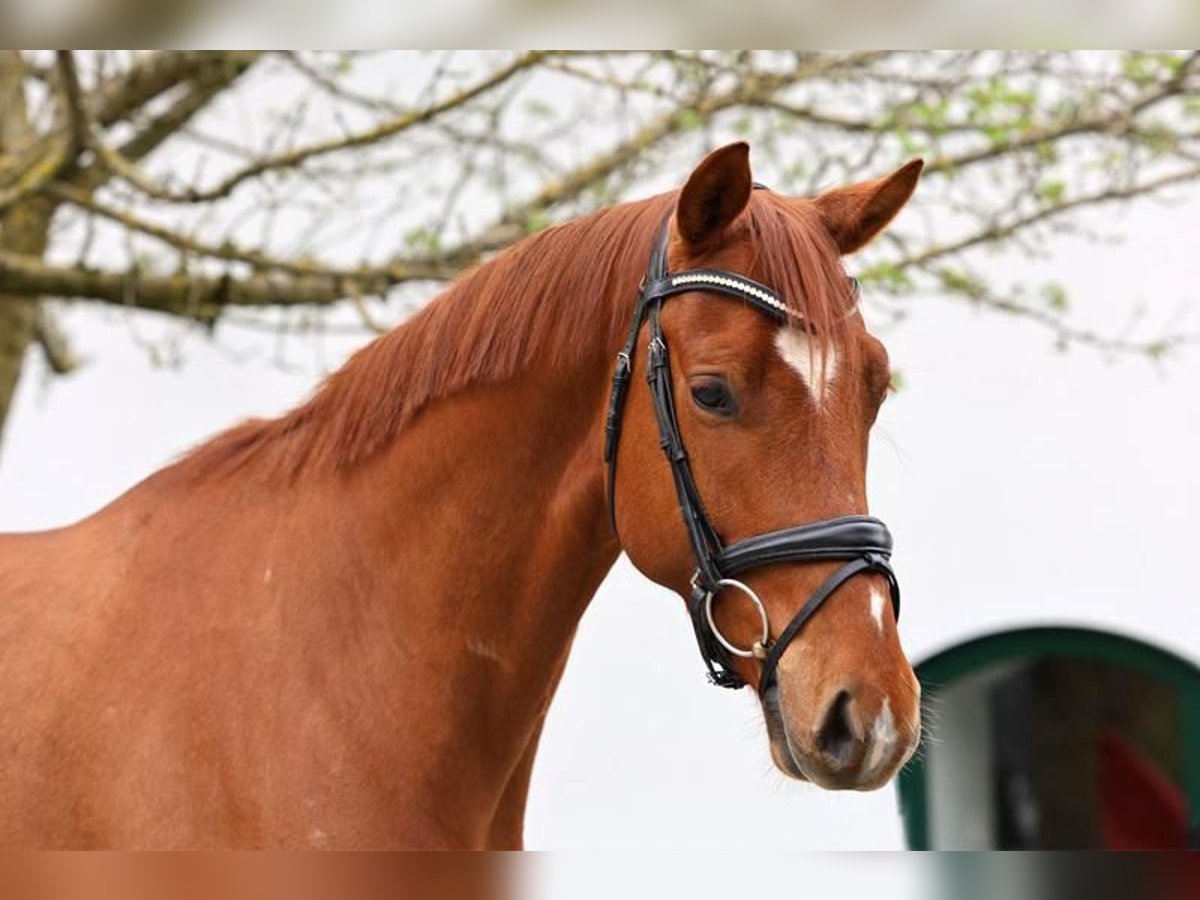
(883, 736)
(816, 369)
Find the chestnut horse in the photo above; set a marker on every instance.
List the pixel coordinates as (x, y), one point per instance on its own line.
(344, 627)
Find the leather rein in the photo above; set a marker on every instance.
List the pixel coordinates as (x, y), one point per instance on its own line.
(862, 543)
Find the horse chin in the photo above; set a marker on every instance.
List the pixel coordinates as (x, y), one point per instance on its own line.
(781, 748)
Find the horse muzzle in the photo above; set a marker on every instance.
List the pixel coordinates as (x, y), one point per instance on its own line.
(852, 740)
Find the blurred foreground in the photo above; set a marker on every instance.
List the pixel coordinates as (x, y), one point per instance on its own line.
(196, 23)
(245, 876)
(452, 876)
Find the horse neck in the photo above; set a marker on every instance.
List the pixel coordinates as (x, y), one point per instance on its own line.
(434, 581)
(505, 483)
(485, 530)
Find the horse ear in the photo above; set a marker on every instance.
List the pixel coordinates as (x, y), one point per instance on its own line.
(715, 193)
(856, 213)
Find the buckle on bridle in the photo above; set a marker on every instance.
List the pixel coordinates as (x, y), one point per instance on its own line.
(623, 368)
(724, 678)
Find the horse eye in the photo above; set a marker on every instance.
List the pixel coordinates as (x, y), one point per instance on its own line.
(713, 395)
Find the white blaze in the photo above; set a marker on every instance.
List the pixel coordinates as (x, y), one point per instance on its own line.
(816, 369)
(879, 600)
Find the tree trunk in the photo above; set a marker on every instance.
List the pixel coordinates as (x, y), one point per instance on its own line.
(23, 229)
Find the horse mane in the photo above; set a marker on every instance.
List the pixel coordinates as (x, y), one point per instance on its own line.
(549, 297)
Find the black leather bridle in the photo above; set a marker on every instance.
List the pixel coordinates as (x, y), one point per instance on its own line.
(862, 542)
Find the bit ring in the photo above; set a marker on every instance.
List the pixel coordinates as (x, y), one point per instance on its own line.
(759, 650)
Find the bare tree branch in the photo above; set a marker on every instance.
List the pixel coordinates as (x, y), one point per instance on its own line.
(368, 279)
(53, 341)
(192, 296)
(1064, 333)
(146, 172)
(77, 117)
(24, 228)
(297, 157)
(1007, 229)
(211, 73)
(155, 74)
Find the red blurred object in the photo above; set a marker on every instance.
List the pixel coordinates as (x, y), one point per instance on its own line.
(1140, 808)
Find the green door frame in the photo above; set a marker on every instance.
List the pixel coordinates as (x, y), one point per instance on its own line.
(948, 666)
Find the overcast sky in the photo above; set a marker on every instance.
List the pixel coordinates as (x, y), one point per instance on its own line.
(1022, 485)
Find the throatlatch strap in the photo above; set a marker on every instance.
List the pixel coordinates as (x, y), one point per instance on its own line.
(716, 658)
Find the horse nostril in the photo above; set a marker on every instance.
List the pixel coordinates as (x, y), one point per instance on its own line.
(836, 737)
